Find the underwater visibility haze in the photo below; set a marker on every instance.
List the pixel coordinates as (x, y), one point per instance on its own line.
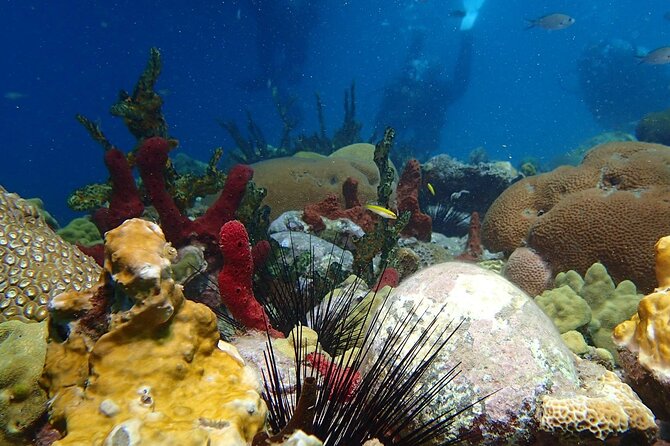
(320, 222)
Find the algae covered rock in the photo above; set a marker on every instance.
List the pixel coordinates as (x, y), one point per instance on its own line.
(159, 374)
(506, 347)
(23, 349)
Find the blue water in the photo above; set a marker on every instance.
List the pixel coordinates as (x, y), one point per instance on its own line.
(521, 98)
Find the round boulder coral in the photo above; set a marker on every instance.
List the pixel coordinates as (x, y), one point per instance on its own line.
(506, 347)
(528, 271)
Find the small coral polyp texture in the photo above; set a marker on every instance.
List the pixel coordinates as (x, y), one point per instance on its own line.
(35, 264)
(159, 375)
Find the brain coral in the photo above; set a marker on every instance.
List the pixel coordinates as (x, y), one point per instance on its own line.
(611, 208)
(35, 264)
(295, 181)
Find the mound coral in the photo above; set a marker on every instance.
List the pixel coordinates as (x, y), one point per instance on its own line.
(526, 269)
(159, 375)
(292, 182)
(611, 208)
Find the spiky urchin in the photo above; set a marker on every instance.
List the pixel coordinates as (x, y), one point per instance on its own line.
(447, 220)
(353, 398)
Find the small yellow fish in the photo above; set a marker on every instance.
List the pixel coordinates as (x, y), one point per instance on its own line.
(381, 211)
(431, 189)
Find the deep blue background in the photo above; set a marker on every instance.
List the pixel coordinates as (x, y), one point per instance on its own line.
(72, 57)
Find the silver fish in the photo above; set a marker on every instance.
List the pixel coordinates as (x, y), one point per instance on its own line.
(551, 22)
(659, 56)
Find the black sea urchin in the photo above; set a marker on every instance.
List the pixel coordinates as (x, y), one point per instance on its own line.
(353, 398)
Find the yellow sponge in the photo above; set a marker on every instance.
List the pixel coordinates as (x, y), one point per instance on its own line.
(159, 376)
(648, 331)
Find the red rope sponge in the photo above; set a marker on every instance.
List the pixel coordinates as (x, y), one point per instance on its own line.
(235, 278)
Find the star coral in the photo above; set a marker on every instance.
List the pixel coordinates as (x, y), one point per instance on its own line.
(160, 375)
(35, 264)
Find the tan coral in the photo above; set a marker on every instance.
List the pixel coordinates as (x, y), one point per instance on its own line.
(612, 208)
(159, 375)
(294, 181)
(35, 264)
(607, 408)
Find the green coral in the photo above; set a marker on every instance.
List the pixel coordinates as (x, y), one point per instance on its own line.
(23, 349)
(592, 304)
(81, 231)
(565, 307)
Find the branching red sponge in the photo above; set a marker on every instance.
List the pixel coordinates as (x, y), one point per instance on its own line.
(152, 157)
(125, 201)
(235, 278)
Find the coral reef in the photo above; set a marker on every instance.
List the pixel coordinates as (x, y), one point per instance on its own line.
(35, 264)
(330, 208)
(602, 409)
(620, 186)
(81, 231)
(159, 375)
(527, 270)
(644, 340)
(23, 349)
(152, 157)
(473, 246)
(141, 111)
(235, 278)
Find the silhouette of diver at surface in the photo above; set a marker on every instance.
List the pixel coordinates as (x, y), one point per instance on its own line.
(282, 38)
(415, 104)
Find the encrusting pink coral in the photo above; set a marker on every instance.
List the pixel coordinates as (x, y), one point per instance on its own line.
(330, 208)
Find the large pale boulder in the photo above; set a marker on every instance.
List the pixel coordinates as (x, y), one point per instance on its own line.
(506, 346)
